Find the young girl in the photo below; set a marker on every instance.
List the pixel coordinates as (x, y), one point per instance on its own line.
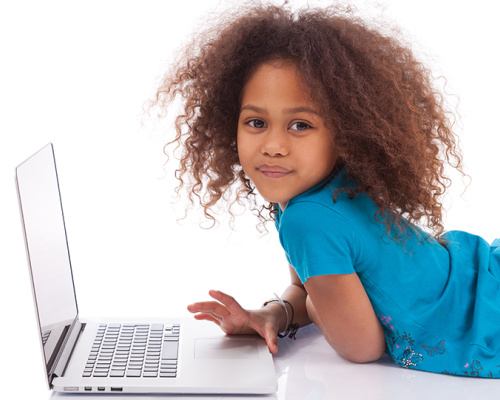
(339, 129)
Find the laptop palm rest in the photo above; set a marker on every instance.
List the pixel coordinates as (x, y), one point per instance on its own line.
(226, 348)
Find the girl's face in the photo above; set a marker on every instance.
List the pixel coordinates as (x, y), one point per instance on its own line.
(284, 146)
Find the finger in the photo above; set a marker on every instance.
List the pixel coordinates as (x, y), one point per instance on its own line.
(202, 305)
(196, 307)
(272, 341)
(207, 317)
(269, 334)
(272, 344)
(209, 307)
(265, 328)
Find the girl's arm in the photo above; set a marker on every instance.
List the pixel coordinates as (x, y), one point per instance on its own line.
(296, 294)
(339, 306)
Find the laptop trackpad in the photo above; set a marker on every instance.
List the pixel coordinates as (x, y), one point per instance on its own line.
(226, 348)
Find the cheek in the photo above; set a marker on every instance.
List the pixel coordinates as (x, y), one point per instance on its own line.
(329, 155)
(239, 142)
(245, 142)
(243, 150)
(320, 156)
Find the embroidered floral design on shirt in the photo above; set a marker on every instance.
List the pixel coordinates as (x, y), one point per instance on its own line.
(403, 350)
(434, 350)
(409, 358)
(474, 368)
(395, 341)
(386, 320)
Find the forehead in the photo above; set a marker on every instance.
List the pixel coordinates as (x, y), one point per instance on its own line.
(276, 79)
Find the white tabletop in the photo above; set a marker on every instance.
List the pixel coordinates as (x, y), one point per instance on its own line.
(307, 368)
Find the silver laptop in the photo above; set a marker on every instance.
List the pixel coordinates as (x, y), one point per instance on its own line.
(119, 356)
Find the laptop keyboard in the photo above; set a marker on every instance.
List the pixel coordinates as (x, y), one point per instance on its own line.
(134, 350)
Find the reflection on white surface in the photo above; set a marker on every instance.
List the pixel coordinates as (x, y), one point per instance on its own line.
(308, 369)
(62, 396)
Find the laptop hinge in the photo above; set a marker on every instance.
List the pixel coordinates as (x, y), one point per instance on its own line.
(66, 350)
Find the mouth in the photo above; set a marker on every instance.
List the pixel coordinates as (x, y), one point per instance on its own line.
(273, 171)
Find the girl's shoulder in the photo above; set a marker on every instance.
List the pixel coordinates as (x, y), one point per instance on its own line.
(332, 199)
(328, 216)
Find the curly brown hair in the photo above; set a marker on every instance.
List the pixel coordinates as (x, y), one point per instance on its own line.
(393, 131)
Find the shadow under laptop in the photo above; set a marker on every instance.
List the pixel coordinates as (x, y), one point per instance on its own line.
(63, 396)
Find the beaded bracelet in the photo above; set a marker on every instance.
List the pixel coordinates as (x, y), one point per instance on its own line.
(291, 328)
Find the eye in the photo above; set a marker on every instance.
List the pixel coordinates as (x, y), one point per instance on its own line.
(300, 126)
(257, 123)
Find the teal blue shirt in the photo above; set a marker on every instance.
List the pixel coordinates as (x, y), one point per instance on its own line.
(439, 305)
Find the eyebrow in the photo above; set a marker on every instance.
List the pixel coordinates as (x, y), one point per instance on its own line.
(285, 111)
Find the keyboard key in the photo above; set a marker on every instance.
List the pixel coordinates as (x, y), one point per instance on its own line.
(157, 327)
(169, 350)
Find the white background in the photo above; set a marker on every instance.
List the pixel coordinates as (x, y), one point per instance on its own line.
(79, 73)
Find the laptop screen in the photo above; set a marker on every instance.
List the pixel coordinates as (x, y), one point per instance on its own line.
(47, 250)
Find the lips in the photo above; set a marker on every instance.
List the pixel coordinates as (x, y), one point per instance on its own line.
(273, 171)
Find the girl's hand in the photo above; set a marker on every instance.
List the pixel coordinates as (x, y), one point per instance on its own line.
(235, 320)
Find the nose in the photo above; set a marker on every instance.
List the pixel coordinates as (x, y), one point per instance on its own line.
(275, 143)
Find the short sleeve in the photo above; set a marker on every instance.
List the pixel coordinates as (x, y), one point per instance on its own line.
(317, 240)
